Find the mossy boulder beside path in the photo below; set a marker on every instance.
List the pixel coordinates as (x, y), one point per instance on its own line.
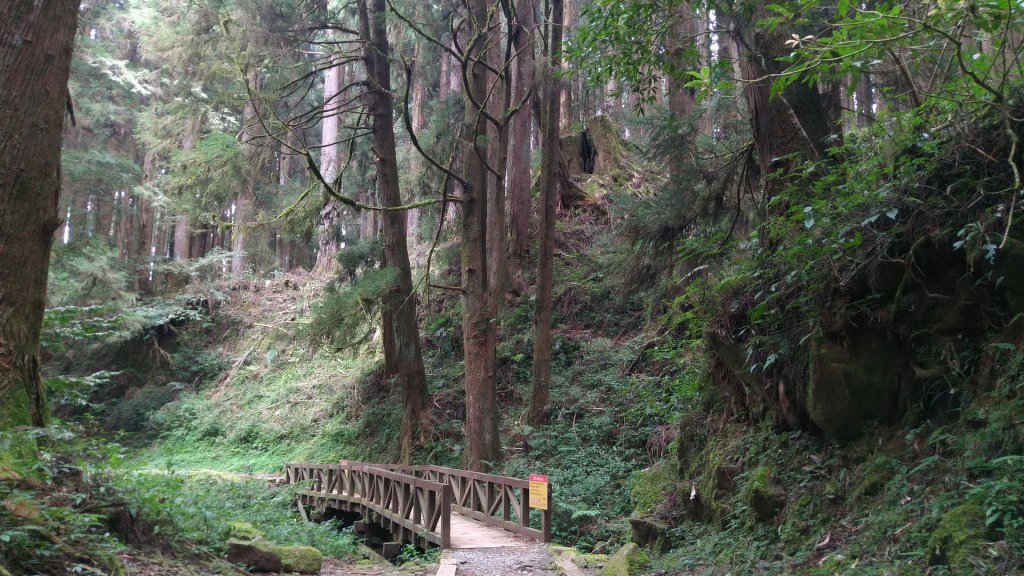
(630, 560)
(248, 547)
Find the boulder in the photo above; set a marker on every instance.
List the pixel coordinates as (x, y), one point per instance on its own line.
(650, 532)
(301, 559)
(258, 555)
(653, 486)
(853, 382)
(630, 560)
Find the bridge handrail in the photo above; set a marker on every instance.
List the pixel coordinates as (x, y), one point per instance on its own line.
(418, 504)
(482, 502)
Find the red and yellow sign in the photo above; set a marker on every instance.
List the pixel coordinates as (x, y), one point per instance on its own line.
(539, 491)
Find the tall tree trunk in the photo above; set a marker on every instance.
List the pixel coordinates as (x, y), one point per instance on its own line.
(549, 202)
(565, 99)
(248, 241)
(181, 224)
(479, 321)
(104, 203)
(400, 300)
(789, 128)
(685, 33)
(285, 166)
(124, 226)
(523, 81)
(497, 157)
(865, 96)
(33, 101)
(182, 239)
(330, 158)
(79, 219)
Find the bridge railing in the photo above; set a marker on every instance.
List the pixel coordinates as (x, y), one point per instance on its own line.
(418, 504)
(499, 501)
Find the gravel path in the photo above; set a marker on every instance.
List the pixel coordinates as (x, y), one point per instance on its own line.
(525, 560)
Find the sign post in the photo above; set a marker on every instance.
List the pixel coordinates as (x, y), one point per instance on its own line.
(539, 491)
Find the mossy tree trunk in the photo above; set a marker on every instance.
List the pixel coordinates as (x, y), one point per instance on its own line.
(35, 56)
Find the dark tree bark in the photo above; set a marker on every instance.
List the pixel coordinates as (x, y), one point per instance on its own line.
(479, 318)
(686, 30)
(789, 128)
(36, 39)
(400, 301)
(523, 35)
(548, 206)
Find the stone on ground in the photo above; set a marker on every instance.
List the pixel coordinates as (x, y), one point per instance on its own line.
(630, 560)
(259, 555)
(301, 559)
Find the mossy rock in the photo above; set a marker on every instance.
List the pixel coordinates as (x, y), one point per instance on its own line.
(764, 494)
(301, 559)
(630, 560)
(853, 382)
(959, 538)
(258, 555)
(650, 532)
(875, 475)
(244, 531)
(651, 486)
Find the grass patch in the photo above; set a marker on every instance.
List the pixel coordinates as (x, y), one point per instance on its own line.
(202, 506)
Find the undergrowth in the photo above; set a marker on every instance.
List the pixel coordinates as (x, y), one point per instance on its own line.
(200, 506)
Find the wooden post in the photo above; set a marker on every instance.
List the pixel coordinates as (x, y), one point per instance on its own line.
(524, 516)
(446, 517)
(546, 518)
(506, 503)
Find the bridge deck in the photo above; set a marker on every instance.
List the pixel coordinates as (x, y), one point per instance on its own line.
(426, 505)
(468, 533)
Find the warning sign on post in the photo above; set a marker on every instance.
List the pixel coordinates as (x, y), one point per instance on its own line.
(539, 491)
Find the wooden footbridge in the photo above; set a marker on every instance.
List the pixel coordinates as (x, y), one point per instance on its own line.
(430, 505)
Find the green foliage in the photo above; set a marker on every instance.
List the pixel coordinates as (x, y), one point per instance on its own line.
(412, 553)
(52, 510)
(202, 507)
(345, 316)
(133, 414)
(100, 171)
(206, 177)
(89, 273)
(359, 256)
(629, 41)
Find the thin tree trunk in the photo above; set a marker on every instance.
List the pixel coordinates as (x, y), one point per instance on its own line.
(104, 202)
(33, 101)
(78, 221)
(565, 99)
(400, 301)
(540, 390)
